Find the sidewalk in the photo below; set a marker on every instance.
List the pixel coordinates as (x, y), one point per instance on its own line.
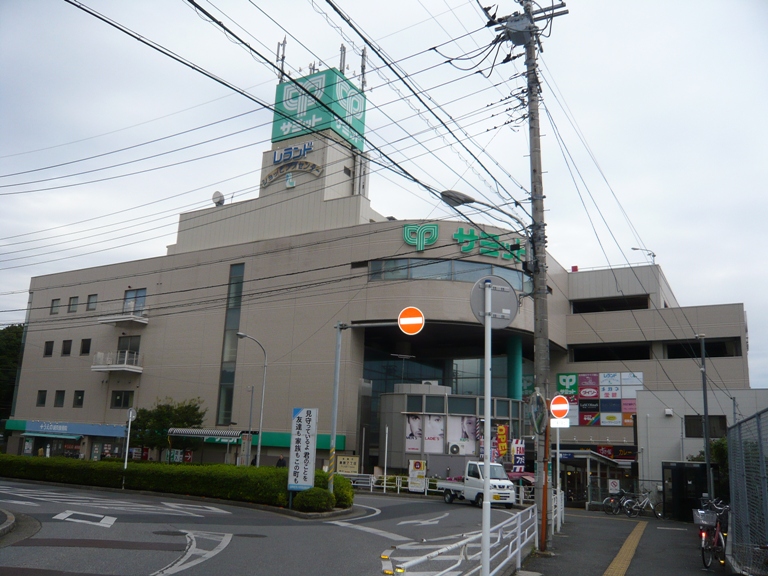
(595, 544)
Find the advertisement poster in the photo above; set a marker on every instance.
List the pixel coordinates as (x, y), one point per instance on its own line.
(434, 434)
(461, 431)
(301, 468)
(413, 433)
(417, 473)
(430, 428)
(518, 450)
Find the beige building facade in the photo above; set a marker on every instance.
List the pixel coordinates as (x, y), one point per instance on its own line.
(308, 254)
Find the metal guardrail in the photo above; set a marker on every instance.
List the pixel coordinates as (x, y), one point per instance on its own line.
(509, 541)
(398, 484)
(117, 358)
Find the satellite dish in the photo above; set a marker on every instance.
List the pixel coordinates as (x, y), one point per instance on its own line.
(218, 198)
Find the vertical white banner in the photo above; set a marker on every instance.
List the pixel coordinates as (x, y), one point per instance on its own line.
(301, 469)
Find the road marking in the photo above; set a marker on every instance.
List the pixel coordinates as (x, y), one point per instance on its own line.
(20, 502)
(678, 529)
(375, 531)
(195, 555)
(434, 520)
(104, 521)
(620, 563)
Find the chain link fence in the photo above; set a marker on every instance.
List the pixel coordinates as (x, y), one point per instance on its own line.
(748, 534)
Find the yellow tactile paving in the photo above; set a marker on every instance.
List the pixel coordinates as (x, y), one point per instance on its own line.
(621, 562)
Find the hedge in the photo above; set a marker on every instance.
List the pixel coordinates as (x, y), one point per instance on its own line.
(263, 485)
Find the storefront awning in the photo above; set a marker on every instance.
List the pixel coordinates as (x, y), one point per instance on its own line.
(203, 432)
(60, 436)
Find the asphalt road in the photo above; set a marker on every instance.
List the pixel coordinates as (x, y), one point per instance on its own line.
(64, 530)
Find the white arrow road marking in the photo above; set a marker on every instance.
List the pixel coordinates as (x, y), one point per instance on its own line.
(20, 502)
(383, 533)
(434, 520)
(104, 521)
(195, 555)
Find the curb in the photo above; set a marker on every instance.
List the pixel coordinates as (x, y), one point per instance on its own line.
(9, 524)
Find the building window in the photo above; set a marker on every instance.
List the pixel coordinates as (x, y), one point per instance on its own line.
(85, 346)
(91, 304)
(58, 400)
(134, 300)
(694, 426)
(41, 394)
(66, 347)
(55, 303)
(121, 399)
(229, 346)
(73, 304)
(78, 399)
(48, 349)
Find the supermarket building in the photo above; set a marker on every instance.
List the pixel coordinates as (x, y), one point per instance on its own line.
(309, 253)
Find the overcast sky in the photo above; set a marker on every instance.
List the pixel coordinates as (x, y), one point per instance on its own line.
(659, 107)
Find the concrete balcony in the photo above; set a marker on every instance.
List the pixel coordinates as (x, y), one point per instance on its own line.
(118, 361)
(124, 313)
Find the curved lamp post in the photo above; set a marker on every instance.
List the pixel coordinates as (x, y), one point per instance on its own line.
(241, 335)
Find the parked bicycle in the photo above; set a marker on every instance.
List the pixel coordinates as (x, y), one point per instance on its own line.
(712, 519)
(633, 507)
(615, 502)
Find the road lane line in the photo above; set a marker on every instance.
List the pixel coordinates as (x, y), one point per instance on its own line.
(620, 563)
(376, 531)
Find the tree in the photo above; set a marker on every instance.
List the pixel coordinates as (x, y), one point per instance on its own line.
(718, 454)
(10, 350)
(151, 425)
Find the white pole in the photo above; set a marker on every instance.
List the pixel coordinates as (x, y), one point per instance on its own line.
(485, 541)
(386, 441)
(127, 444)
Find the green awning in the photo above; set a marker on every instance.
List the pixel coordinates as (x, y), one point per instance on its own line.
(61, 436)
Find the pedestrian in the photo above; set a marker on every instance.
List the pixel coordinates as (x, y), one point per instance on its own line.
(281, 462)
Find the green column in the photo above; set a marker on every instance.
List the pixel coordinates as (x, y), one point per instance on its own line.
(515, 367)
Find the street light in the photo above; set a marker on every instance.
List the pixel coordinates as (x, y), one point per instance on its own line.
(455, 199)
(241, 335)
(649, 252)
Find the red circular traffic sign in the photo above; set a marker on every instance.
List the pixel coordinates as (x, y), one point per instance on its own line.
(411, 320)
(559, 406)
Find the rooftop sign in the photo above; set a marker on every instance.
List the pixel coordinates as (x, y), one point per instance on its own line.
(322, 101)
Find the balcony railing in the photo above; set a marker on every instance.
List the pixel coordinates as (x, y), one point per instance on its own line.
(117, 361)
(124, 312)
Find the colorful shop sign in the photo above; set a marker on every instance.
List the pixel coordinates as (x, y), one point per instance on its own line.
(324, 100)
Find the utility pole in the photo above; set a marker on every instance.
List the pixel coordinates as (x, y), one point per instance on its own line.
(707, 459)
(521, 30)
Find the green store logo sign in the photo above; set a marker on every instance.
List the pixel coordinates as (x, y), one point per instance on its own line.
(420, 236)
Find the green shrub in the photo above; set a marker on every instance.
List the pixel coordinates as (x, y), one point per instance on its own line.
(314, 500)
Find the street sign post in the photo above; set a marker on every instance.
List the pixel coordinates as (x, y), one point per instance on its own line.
(559, 408)
(410, 320)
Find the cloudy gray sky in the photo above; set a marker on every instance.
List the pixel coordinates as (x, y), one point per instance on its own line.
(654, 128)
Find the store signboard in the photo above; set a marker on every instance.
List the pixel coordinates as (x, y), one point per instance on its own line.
(301, 469)
(417, 473)
(325, 100)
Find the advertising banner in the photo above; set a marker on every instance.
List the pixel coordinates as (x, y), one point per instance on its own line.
(461, 430)
(518, 450)
(434, 434)
(413, 433)
(502, 434)
(417, 474)
(301, 469)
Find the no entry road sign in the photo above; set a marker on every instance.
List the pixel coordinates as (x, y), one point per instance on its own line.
(559, 407)
(411, 320)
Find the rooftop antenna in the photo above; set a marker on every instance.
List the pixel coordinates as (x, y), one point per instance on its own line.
(342, 58)
(280, 59)
(363, 56)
